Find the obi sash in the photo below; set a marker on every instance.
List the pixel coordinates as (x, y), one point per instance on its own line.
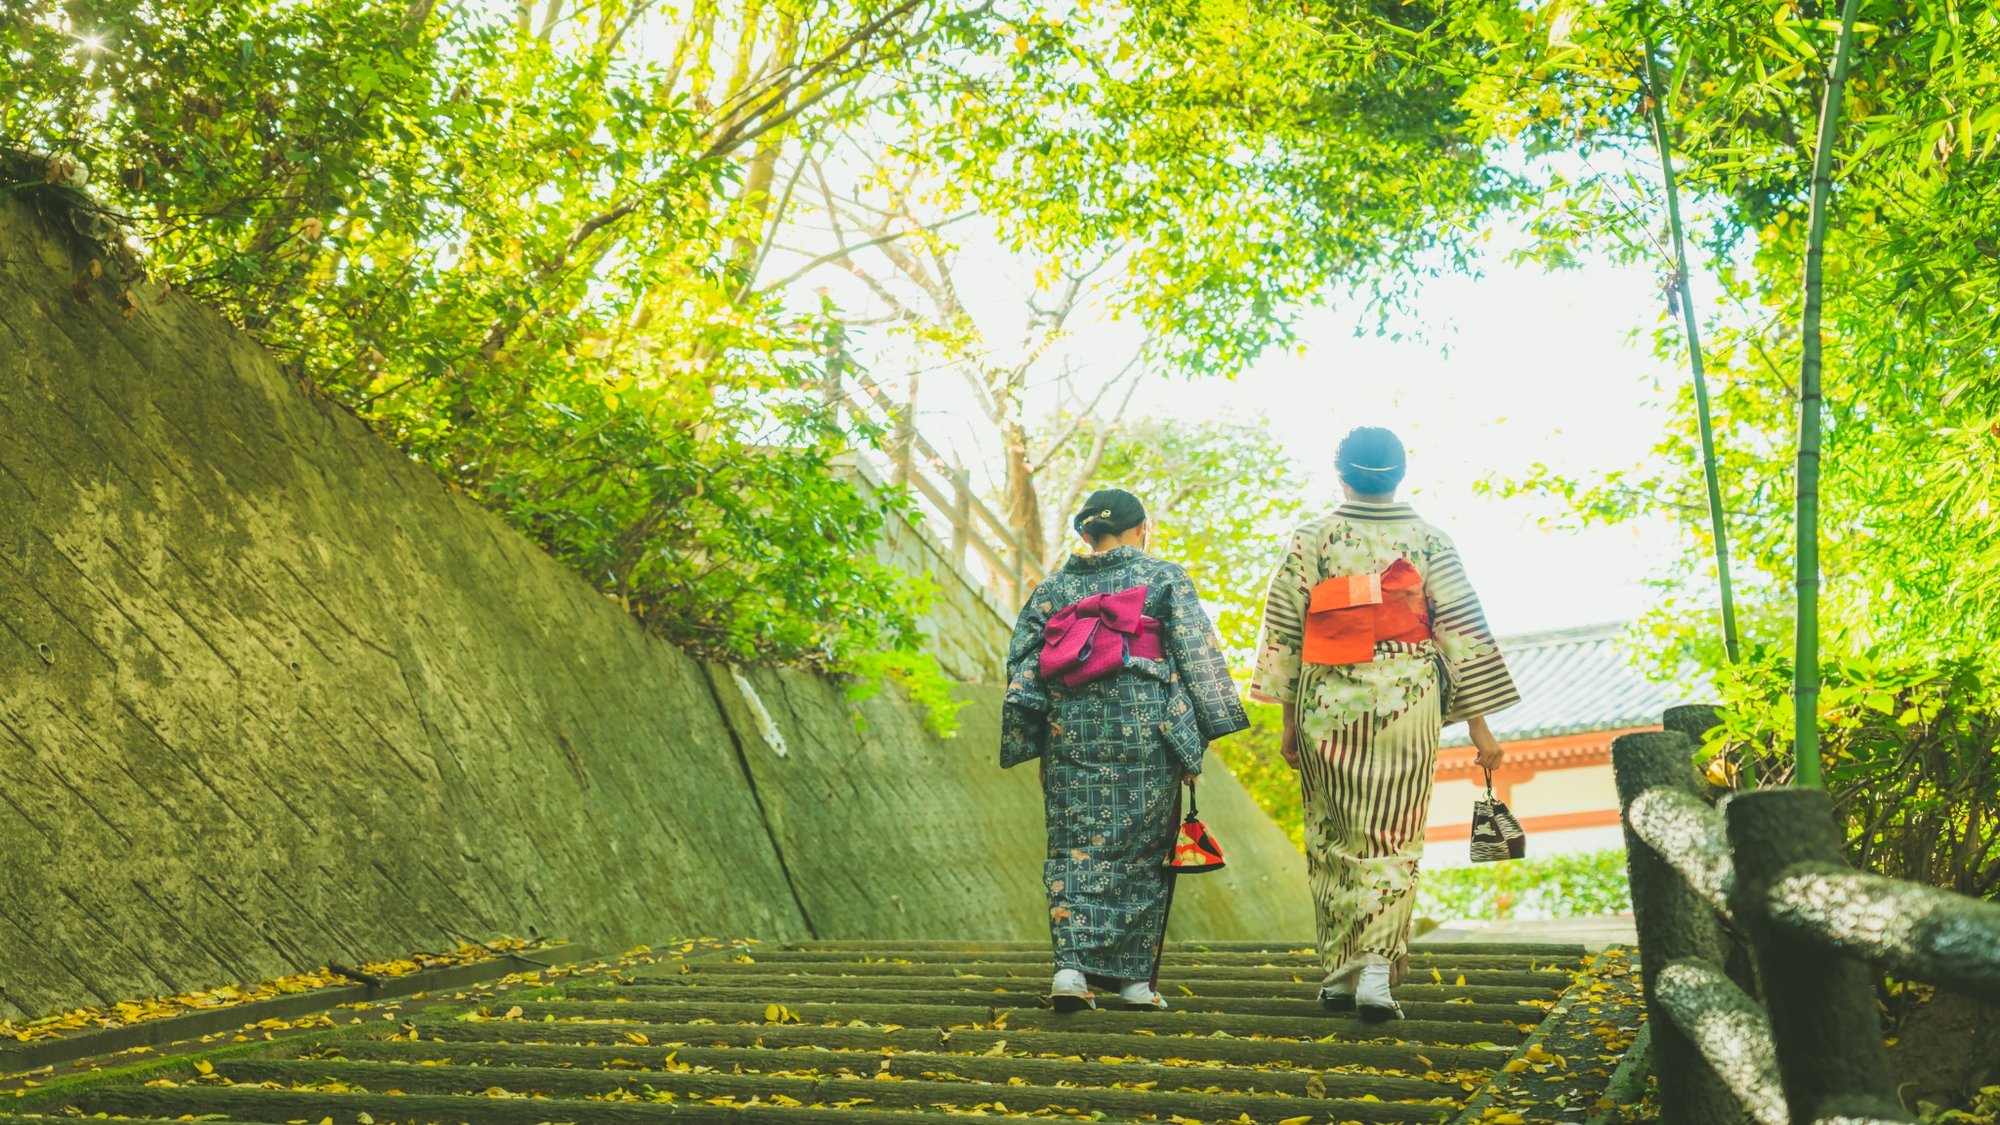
(1349, 614)
(1094, 637)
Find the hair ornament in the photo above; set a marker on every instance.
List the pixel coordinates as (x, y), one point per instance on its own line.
(1105, 514)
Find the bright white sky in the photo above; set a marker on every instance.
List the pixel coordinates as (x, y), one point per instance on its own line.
(1524, 367)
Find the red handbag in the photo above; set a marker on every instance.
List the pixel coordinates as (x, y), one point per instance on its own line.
(1195, 849)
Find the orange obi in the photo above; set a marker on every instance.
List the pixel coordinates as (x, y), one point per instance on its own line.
(1350, 613)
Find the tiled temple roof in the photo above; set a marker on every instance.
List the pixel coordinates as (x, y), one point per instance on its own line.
(1574, 681)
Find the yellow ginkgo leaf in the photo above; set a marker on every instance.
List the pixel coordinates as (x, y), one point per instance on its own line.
(1437, 977)
(1296, 1120)
(204, 1068)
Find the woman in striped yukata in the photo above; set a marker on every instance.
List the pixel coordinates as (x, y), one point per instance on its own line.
(1372, 641)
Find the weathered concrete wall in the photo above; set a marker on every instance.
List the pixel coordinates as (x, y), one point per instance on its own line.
(271, 696)
(879, 824)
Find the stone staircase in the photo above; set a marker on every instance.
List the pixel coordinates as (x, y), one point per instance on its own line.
(819, 1033)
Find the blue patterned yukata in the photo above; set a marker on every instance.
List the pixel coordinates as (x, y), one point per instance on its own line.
(1113, 752)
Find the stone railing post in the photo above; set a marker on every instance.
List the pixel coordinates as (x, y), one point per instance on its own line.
(1695, 720)
(1674, 923)
(1821, 1004)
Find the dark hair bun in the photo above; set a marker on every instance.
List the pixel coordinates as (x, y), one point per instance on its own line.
(1371, 460)
(1108, 512)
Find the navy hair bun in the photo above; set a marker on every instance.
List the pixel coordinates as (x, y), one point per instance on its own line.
(1108, 512)
(1371, 460)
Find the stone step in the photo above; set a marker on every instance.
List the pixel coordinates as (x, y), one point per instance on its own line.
(563, 1084)
(834, 1001)
(253, 1104)
(1429, 1023)
(1445, 957)
(1569, 950)
(1190, 1046)
(944, 989)
(1551, 975)
(910, 1065)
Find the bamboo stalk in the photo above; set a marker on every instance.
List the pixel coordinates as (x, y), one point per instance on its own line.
(1662, 139)
(1805, 658)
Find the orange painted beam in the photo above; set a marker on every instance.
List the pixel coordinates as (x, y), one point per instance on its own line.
(1566, 751)
(1592, 818)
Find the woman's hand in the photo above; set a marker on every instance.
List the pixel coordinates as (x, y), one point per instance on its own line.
(1489, 753)
(1288, 739)
(1190, 778)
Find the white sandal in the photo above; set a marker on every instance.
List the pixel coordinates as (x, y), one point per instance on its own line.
(1138, 996)
(1071, 993)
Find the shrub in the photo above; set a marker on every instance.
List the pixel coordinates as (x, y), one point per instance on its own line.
(1908, 745)
(1557, 886)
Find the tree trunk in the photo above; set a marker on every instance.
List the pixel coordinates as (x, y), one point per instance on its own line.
(1024, 505)
(1805, 670)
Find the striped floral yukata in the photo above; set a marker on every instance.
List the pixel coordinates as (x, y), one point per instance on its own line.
(1369, 732)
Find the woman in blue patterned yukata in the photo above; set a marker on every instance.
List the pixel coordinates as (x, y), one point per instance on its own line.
(1116, 682)
(1373, 640)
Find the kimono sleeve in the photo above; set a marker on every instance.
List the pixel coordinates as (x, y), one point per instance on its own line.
(1198, 661)
(1281, 641)
(1479, 680)
(1024, 713)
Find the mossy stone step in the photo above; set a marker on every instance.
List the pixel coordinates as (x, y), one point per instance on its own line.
(1440, 959)
(1566, 950)
(1296, 1082)
(1552, 975)
(1390, 1054)
(572, 1084)
(1238, 996)
(253, 1104)
(1490, 1022)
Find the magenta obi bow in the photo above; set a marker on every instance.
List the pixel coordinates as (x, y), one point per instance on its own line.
(1091, 639)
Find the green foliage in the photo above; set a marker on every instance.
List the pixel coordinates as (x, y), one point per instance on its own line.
(1252, 756)
(1912, 759)
(921, 679)
(1221, 495)
(1910, 568)
(1244, 156)
(526, 243)
(1984, 1110)
(1573, 885)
